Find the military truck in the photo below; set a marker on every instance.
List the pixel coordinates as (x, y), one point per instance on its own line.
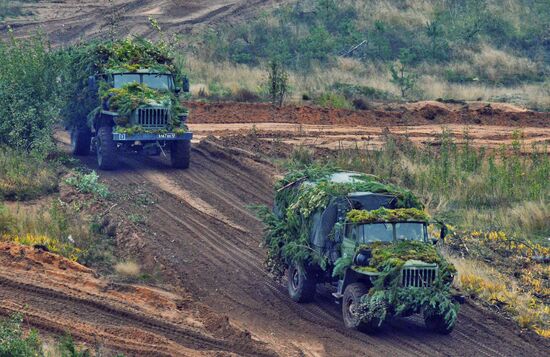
(129, 103)
(367, 239)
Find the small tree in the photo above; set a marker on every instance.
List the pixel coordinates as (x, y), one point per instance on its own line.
(401, 76)
(277, 82)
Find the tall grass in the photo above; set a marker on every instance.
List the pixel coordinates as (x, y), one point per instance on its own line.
(474, 188)
(63, 229)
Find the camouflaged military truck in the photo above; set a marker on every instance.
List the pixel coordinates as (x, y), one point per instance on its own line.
(367, 239)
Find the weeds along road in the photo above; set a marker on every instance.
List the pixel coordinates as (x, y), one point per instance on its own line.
(201, 230)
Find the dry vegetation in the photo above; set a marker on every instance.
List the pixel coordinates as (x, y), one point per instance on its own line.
(476, 50)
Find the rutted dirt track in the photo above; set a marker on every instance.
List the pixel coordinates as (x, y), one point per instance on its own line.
(200, 234)
(216, 256)
(70, 20)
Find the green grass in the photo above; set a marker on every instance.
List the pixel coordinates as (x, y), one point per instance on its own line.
(15, 341)
(473, 188)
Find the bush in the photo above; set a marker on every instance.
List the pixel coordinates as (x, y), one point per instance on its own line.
(351, 91)
(333, 100)
(246, 95)
(128, 269)
(88, 183)
(63, 230)
(15, 343)
(30, 94)
(24, 176)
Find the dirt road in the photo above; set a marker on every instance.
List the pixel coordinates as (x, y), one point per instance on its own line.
(485, 125)
(201, 231)
(59, 296)
(68, 21)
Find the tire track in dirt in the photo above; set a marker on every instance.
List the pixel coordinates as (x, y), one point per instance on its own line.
(107, 314)
(227, 271)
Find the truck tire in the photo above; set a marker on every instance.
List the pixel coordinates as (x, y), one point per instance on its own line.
(80, 141)
(180, 154)
(107, 158)
(301, 283)
(352, 296)
(438, 324)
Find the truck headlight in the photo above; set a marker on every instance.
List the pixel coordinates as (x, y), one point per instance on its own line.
(362, 258)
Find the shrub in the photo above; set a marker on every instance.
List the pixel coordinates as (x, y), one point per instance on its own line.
(128, 269)
(24, 176)
(14, 342)
(88, 183)
(360, 104)
(63, 230)
(246, 95)
(30, 94)
(53, 245)
(333, 100)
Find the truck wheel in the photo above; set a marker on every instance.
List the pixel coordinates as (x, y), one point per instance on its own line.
(106, 149)
(350, 301)
(437, 324)
(301, 283)
(80, 141)
(180, 154)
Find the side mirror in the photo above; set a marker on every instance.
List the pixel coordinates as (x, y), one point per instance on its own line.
(338, 232)
(92, 83)
(185, 85)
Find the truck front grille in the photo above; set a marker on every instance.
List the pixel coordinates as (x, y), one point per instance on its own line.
(153, 118)
(418, 277)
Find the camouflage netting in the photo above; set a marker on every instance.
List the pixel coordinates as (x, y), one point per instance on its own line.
(301, 212)
(388, 215)
(122, 56)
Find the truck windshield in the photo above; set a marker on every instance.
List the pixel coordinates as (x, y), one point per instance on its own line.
(158, 81)
(385, 232)
(153, 80)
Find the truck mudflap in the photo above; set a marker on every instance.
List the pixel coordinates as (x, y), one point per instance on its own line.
(153, 137)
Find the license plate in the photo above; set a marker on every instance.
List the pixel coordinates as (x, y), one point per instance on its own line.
(167, 136)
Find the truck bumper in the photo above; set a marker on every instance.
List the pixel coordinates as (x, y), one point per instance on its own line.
(152, 137)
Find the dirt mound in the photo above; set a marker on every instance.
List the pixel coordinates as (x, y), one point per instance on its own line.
(422, 113)
(58, 295)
